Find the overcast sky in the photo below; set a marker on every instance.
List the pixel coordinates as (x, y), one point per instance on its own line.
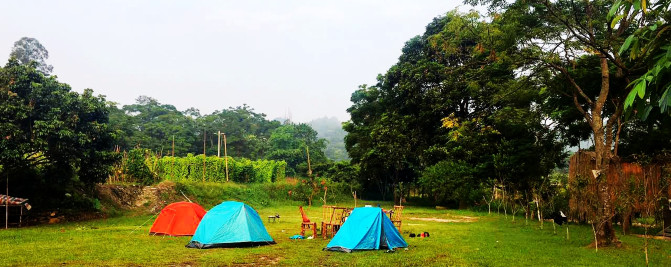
(303, 57)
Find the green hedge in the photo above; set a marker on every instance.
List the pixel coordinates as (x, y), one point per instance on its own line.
(241, 170)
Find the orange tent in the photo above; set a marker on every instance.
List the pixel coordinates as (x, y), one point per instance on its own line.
(178, 219)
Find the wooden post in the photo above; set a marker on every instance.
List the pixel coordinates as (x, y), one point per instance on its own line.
(226, 157)
(218, 144)
(204, 155)
(307, 150)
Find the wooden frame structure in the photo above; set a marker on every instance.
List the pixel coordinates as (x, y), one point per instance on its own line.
(395, 215)
(332, 218)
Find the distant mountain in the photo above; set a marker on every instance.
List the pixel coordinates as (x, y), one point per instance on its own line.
(331, 130)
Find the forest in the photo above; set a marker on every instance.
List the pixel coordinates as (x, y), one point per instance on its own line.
(477, 106)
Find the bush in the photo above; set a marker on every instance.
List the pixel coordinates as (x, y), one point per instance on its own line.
(137, 169)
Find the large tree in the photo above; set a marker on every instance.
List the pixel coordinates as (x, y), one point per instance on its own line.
(53, 139)
(27, 50)
(452, 100)
(557, 36)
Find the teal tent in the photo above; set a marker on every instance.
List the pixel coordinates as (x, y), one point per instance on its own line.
(230, 224)
(366, 228)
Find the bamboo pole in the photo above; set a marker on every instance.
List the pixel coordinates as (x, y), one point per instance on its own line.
(226, 157)
(218, 144)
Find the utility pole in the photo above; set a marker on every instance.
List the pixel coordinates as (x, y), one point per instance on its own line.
(172, 168)
(226, 157)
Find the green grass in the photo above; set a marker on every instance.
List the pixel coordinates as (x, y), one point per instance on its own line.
(490, 241)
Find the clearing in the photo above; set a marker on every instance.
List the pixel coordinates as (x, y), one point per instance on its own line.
(491, 240)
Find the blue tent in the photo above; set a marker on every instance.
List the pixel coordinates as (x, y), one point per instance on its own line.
(366, 228)
(230, 224)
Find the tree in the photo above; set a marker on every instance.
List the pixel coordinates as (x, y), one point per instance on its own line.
(288, 142)
(452, 98)
(150, 124)
(247, 132)
(27, 50)
(53, 139)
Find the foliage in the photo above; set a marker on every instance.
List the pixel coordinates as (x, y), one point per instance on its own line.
(648, 43)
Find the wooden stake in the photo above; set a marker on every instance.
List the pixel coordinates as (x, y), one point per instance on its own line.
(226, 157)
(7, 205)
(325, 190)
(203, 155)
(312, 182)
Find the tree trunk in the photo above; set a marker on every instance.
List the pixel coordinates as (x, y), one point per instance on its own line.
(603, 138)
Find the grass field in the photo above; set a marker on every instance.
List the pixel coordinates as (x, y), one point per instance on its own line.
(491, 240)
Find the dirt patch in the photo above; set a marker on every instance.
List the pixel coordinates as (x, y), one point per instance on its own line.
(458, 219)
(135, 197)
(122, 196)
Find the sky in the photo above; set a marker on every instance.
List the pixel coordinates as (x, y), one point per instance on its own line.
(298, 58)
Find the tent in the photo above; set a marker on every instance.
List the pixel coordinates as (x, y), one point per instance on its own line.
(230, 224)
(178, 219)
(366, 228)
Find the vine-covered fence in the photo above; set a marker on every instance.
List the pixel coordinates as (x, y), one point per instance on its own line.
(143, 166)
